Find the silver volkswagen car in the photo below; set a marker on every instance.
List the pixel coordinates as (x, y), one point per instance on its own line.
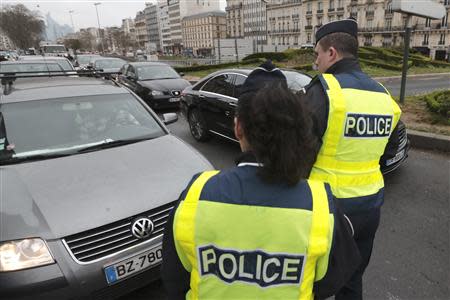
(88, 176)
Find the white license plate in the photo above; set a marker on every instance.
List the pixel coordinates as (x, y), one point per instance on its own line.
(174, 99)
(395, 159)
(135, 264)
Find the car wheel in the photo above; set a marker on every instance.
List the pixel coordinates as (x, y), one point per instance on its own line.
(197, 125)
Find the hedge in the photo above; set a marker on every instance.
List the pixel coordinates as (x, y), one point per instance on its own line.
(439, 102)
(218, 66)
(382, 65)
(305, 67)
(274, 56)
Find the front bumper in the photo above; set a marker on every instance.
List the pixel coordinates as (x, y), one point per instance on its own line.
(163, 102)
(67, 279)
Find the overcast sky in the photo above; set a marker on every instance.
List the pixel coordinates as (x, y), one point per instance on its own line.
(110, 12)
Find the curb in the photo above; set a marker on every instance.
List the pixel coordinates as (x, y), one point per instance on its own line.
(429, 141)
(413, 75)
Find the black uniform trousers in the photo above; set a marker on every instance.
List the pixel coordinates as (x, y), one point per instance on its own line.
(365, 226)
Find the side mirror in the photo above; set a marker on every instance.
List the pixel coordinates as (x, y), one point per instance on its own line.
(181, 74)
(170, 118)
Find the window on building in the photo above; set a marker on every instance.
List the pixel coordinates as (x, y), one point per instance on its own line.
(340, 4)
(309, 7)
(388, 24)
(331, 4)
(427, 22)
(308, 38)
(445, 21)
(319, 21)
(426, 38)
(309, 21)
(442, 39)
(319, 5)
(369, 23)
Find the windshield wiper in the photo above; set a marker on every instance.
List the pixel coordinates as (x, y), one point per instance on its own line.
(113, 143)
(19, 159)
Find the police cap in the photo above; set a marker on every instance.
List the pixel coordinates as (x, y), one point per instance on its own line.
(349, 26)
(265, 74)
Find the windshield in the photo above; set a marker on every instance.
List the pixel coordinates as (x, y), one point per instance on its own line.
(67, 125)
(30, 67)
(296, 81)
(55, 49)
(156, 72)
(109, 63)
(65, 65)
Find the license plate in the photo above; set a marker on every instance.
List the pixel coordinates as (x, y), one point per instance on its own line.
(174, 99)
(135, 264)
(395, 159)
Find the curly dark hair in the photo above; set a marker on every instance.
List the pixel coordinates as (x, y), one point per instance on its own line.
(279, 129)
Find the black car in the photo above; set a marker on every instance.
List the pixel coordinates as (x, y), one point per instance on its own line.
(209, 109)
(157, 83)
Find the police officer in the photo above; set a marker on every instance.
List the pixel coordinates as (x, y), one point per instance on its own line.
(355, 117)
(260, 230)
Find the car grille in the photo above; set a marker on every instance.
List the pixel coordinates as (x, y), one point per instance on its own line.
(402, 137)
(98, 243)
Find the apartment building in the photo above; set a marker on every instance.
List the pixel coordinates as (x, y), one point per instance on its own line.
(235, 19)
(201, 30)
(164, 26)
(129, 30)
(178, 9)
(284, 22)
(255, 21)
(140, 25)
(152, 22)
(379, 26)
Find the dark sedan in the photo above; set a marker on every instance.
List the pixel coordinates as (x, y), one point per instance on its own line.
(157, 83)
(209, 109)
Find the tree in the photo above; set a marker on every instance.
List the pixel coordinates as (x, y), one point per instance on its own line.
(74, 44)
(86, 40)
(22, 26)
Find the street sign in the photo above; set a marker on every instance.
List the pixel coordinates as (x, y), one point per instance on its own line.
(423, 8)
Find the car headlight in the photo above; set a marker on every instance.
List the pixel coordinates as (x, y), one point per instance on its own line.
(23, 254)
(157, 93)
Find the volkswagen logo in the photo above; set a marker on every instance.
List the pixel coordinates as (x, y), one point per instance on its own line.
(142, 228)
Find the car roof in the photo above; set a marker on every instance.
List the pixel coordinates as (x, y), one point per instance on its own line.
(147, 63)
(40, 57)
(27, 62)
(29, 89)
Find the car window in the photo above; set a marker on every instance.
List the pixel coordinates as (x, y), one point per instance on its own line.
(222, 84)
(123, 70)
(30, 67)
(109, 63)
(296, 81)
(63, 125)
(238, 83)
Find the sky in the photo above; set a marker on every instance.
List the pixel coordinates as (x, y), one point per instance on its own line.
(110, 12)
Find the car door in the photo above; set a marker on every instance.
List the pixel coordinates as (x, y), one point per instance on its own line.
(131, 79)
(122, 76)
(215, 97)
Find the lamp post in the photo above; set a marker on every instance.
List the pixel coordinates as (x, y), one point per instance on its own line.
(98, 21)
(71, 19)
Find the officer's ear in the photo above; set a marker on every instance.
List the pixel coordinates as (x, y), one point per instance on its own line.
(238, 132)
(333, 54)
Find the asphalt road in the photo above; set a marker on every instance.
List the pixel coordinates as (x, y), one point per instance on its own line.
(411, 255)
(416, 85)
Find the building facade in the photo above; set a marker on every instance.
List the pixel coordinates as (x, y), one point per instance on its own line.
(140, 25)
(152, 22)
(235, 19)
(164, 26)
(284, 22)
(255, 22)
(129, 30)
(178, 9)
(201, 30)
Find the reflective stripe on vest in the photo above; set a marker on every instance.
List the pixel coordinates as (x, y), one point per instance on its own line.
(360, 123)
(203, 248)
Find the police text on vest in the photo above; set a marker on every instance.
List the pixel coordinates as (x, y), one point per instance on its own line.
(256, 267)
(367, 126)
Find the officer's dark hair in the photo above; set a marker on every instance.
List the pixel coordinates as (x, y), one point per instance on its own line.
(344, 43)
(278, 128)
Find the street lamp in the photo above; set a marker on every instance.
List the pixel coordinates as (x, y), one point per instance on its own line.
(98, 21)
(71, 19)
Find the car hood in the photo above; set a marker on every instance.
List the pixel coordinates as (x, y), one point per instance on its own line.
(63, 196)
(177, 84)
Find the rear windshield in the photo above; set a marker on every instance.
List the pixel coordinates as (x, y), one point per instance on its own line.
(30, 67)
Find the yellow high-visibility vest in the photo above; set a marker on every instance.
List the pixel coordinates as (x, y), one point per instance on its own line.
(240, 251)
(361, 118)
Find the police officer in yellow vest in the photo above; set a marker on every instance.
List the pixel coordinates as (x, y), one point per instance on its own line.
(260, 230)
(355, 117)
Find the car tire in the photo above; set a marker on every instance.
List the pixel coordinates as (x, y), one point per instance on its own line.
(197, 126)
